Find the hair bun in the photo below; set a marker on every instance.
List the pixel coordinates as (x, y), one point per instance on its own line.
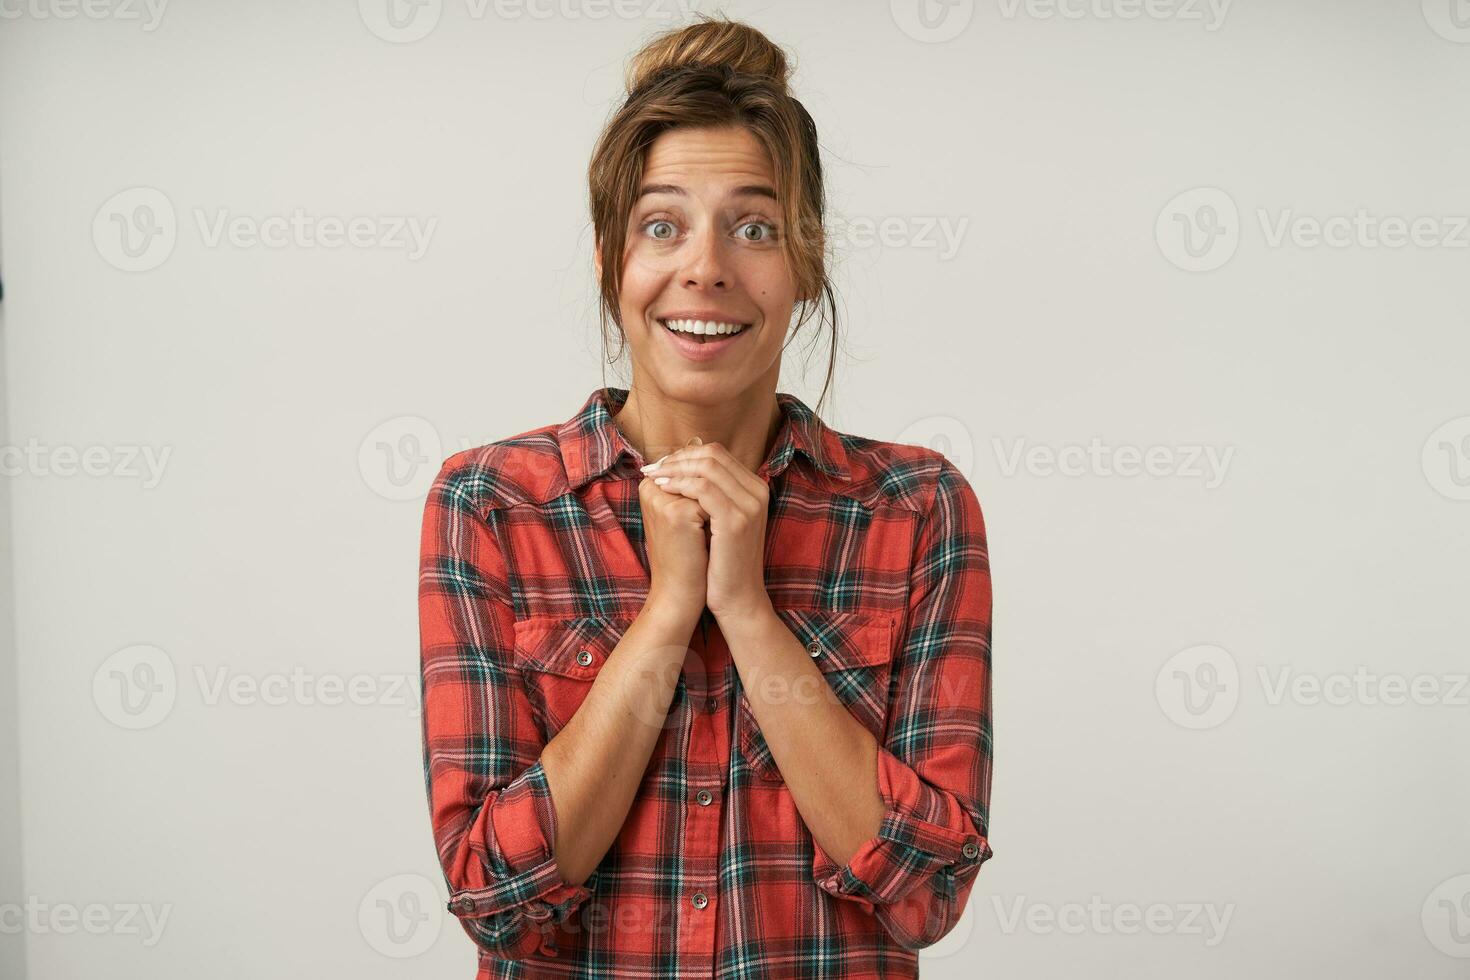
(710, 43)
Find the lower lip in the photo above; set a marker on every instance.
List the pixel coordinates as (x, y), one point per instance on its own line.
(686, 345)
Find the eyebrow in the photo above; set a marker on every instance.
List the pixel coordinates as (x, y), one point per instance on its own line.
(745, 190)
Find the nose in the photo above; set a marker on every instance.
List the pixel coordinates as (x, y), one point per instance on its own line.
(706, 265)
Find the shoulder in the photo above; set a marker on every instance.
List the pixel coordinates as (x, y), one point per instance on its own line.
(898, 474)
(523, 468)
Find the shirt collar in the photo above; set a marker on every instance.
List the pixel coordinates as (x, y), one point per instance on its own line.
(591, 443)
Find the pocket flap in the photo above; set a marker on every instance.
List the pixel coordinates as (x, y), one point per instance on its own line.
(575, 647)
(854, 651)
(842, 640)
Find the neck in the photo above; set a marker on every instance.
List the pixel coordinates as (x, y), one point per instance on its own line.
(656, 425)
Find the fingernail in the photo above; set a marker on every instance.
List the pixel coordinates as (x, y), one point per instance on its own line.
(661, 480)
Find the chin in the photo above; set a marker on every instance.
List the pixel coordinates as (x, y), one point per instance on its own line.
(702, 387)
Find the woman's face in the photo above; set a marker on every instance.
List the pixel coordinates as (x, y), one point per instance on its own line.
(704, 243)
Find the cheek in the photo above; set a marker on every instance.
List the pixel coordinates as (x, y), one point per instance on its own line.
(639, 287)
(771, 284)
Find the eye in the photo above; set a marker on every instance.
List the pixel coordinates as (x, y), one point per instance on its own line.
(770, 231)
(667, 224)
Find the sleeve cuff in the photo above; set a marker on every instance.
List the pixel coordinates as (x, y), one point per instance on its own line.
(521, 867)
(917, 840)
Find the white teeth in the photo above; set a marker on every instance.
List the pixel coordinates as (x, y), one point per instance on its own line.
(702, 326)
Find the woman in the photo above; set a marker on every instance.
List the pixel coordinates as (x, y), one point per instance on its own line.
(706, 683)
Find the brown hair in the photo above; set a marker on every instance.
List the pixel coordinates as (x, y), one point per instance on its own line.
(715, 72)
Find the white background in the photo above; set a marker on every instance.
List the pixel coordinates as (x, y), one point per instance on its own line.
(304, 395)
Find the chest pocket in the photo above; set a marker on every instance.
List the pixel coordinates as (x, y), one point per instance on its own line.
(558, 660)
(854, 652)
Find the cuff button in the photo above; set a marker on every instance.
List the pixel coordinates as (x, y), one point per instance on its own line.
(971, 850)
(464, 905)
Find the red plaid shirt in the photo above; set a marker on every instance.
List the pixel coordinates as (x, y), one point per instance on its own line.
(533, 566)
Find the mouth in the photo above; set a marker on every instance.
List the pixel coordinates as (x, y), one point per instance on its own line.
(703, 331)
(703, 340)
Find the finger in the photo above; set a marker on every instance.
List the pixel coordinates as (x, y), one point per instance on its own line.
(713, 486)
(657, 493)
(747, 478)
(717, 464)
(706, 492)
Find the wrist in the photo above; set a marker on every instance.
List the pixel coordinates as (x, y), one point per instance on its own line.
(744, 615)
(676, 616)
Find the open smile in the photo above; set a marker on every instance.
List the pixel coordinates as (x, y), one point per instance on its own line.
(701, 340)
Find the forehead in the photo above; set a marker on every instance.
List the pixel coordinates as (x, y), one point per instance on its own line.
(707, 158)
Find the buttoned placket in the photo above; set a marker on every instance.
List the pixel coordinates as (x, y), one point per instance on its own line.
(707, 766)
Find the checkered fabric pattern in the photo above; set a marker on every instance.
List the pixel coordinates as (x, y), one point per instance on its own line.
(533, 565)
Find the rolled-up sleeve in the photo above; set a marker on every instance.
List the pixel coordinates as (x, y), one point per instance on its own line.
(490, 804)
(934, 765)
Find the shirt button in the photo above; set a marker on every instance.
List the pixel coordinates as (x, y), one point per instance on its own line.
(814, 648)
(465, 904)
(704, 797)
(712, 706)
(584, 658)
(700, 900)
(971, 850)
